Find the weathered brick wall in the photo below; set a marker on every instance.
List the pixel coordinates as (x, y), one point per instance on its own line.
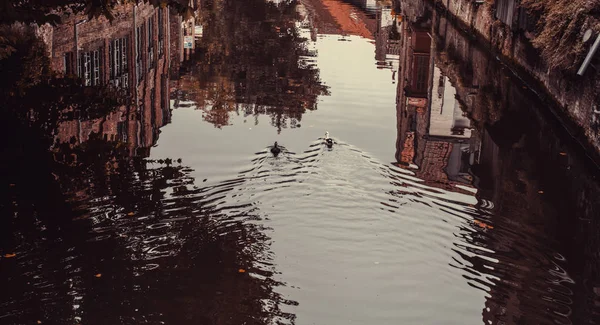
(94, 34)
(176, 43)
(142, 119)
(508, 166)
(578, 97)
(435, 157)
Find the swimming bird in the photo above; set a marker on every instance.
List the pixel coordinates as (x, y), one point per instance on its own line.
(275, 150)
(328, 140)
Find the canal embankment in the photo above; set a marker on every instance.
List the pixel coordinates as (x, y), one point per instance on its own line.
(546, 44)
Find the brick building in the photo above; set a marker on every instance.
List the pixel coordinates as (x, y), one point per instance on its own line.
(387, 43)
(131, 53)
(434, 138)
(180, 28)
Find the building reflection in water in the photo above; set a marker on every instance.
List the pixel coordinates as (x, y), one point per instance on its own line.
(145, 230)
(434, 138)
(387, 38)
(133, 54)
(104, 235)
(465, 124)
(259, 62)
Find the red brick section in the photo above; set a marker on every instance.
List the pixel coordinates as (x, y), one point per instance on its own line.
(407, 155)
(435, 159)
(433, 167)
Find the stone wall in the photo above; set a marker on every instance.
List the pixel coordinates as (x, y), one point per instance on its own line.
(525, 159)
(577, 97)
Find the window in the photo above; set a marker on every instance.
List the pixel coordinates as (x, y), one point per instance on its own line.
(422, 66)
(161, 32)
(150, 43)
(122, 131)
(117, 54)
(153, 107)
(68, 63)
(138, 53)
(83, 67)
(96, 68)
(89, 68)
(164, 99)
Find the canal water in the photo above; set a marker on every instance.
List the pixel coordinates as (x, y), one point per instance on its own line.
(451, 195)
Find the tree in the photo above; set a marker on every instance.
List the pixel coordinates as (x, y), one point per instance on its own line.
(49, 11)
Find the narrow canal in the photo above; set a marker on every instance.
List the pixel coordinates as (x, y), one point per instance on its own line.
(450, 196)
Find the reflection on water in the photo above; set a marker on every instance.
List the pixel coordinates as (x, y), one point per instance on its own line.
(253, 61)
(487, 213)
(477, 124)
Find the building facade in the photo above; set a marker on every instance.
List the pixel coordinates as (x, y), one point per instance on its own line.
(131, 53)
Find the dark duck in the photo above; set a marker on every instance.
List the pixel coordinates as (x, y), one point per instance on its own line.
(275, 150)
(328, 140)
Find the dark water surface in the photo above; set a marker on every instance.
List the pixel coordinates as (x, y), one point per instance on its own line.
(451, 195)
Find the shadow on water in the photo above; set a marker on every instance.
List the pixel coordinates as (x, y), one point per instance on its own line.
(135, 241)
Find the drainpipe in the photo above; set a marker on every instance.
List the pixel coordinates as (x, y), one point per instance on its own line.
(135, 56)
(590, 55)
(180, 27)
(75, 62)
(168, 43)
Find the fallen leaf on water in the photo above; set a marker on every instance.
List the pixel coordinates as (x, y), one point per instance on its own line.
(482, 224)
(242, 271)
(10, 255)
(563, 153)
(98, 275)
(130, 214)
(12, 185)
(39, 321)
(541, 192)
